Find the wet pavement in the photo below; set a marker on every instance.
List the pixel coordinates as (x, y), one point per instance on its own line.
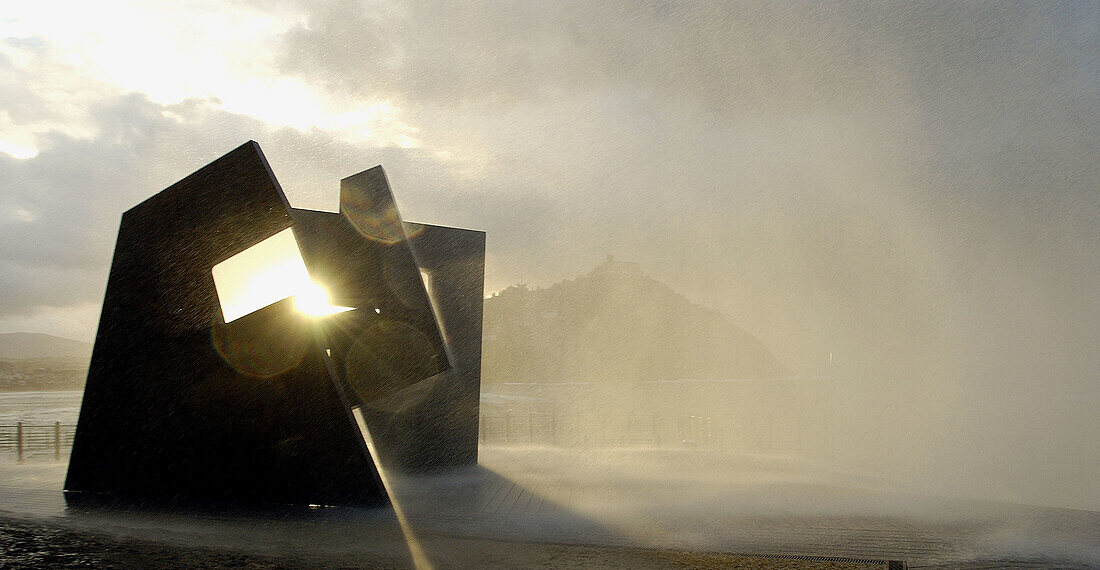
(554, 507)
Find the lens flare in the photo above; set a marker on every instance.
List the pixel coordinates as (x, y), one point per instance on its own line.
(313, 300)
(419, 557)
(264, 345)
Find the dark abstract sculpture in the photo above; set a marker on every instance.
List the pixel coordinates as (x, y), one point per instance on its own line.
(242, 343)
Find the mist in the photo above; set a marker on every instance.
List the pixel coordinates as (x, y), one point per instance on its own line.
(898, 201)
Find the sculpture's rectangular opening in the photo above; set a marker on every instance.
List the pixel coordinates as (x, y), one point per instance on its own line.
(265, 273)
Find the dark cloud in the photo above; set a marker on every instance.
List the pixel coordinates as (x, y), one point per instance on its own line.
(868, 159)
(911, 187)
(822, 173)
(72, 194)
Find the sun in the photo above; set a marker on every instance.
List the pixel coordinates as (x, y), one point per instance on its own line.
(266, 273)
(313, 300)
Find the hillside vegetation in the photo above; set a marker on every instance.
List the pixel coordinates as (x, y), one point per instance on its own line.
(614, 324)
(22, 345)
(34, 361)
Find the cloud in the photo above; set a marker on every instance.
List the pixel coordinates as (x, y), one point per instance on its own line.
(863, 158)
(58, 221)
(911, 188)
(863, 164)
(69, 321)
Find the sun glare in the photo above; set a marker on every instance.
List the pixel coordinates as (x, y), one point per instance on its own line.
(314, 301)
(267, 273)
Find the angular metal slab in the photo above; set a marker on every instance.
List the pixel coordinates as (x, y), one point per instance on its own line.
(181, 406)
(434, 424)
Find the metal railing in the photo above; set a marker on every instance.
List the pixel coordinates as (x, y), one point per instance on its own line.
(546, 428)
(612, 430)
(26, 439)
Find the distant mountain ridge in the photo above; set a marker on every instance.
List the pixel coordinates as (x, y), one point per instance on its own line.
(614, 324)
(36, 345)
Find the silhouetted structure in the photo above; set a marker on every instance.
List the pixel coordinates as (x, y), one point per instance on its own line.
(185, 401)
(414, 431)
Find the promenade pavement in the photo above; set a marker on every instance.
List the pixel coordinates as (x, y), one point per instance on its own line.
(637, 508)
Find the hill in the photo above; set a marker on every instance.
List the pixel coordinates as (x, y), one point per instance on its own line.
(35, 345)
(32, 361)
(614, 324)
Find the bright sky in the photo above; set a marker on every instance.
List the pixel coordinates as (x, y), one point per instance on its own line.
(909, 187)
(171, 53)
(755, 158)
